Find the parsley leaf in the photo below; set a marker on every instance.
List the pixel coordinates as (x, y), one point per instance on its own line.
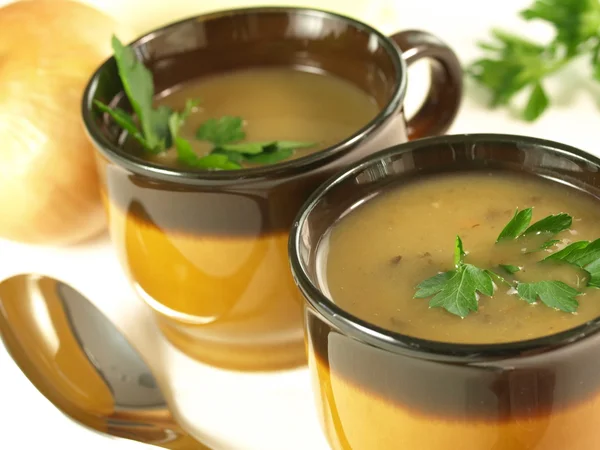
(245, 148)
(552, 224)
(456, 290)
(511, 269)
(459, 293)
(160, 125)
(433, 285)
(224, 130)
(517, 225)
(459, 252)
(232, 156)
(270, 156)
(185, 153)
(139, 87)
(124, 120)
(292, 145)
(582, 254)
(513, 63)
(216, 162)
(537, 103)
(554, 294)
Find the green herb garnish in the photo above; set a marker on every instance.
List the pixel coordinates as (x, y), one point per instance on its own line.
(125, 121)
(519, 225)
(552, 224)
(221, 131)
(554, 294)
(582, 254)
(511, 269)
(158, 128)
(457, 290)
(513, 63)
(185, 153)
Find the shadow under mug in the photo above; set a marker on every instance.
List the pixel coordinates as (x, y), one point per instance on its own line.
(207, 250)
(378, 389)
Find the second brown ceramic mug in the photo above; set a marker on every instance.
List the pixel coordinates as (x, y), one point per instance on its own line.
(207, 250)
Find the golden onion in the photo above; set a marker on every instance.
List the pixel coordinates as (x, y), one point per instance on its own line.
(49, 190)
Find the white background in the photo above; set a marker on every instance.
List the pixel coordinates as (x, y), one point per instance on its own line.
(261, 412)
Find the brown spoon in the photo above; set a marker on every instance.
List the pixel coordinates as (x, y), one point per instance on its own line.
(83, 364)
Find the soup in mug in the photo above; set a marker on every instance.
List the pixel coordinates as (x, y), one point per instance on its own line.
(371, 263)
(276, 104)
(230, 288)
(385, 248)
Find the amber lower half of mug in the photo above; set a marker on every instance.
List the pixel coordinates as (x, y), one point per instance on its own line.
(368, 399)
(353, 418)
(227, 301)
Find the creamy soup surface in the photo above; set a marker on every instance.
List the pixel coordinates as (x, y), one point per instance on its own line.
(375, 256)
(275, 104)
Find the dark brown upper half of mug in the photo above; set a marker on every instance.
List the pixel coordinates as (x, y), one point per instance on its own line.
(240, 39)
(484, 381)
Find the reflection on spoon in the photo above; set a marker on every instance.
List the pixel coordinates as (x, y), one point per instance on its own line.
(83, 364)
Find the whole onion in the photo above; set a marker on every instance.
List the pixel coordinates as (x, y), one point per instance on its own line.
(49, 190)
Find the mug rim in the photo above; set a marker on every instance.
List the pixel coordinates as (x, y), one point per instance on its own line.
(362, 330)
(287, 168)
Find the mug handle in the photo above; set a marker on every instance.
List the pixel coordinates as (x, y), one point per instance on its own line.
(445, 93)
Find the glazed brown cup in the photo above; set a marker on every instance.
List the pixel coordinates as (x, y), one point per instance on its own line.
(207, 250)
(377, 389)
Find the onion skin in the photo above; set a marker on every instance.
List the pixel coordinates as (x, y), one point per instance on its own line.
(49, 189)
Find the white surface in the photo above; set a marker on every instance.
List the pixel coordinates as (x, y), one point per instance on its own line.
(256, 412)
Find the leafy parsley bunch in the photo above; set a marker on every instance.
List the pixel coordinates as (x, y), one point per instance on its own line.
(513, 63)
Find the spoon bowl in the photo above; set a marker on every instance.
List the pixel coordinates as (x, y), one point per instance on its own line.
(83, 364)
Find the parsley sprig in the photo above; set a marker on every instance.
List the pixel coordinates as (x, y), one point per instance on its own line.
(158, 129)
(458, 290)
(513, 63)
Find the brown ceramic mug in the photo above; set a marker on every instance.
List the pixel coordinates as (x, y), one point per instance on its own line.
(380, 389)
(207, 250)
